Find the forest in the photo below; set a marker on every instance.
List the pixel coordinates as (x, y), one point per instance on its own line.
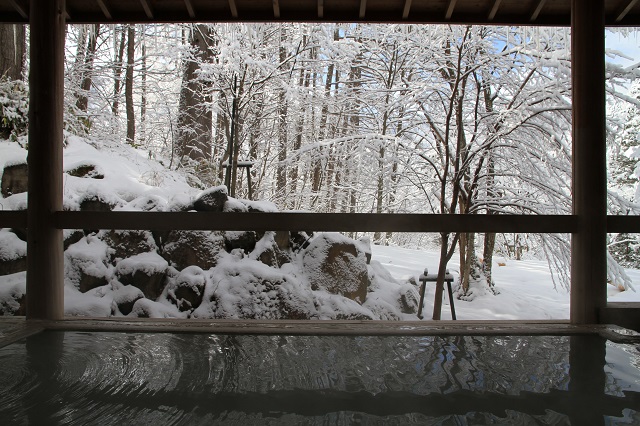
(352, 118)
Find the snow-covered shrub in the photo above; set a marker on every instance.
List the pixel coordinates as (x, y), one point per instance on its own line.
(14, 108)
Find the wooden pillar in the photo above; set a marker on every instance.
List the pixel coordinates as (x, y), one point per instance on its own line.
(46, 84)
(588, 245)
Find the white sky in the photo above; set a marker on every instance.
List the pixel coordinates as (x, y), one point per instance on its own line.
(628, 44)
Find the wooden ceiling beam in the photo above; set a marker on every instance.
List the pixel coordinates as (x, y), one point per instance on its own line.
(190, 10)
(234, 9)
(625, 10)
(147, 8)
(494, 10)
(407, 9)
(19, 9)
(105, 9)
(320, 9)
(537, 10)
(450, 8)
(276, 9)
(363, 9)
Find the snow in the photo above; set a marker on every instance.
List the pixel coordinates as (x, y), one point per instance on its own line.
(11, 154)
(11, 247)
(130, 178)
(149, 263)
(525, 286)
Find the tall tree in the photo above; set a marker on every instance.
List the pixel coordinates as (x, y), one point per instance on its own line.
(86, 69)
(195, 119)
(128, 87)
(12, 51)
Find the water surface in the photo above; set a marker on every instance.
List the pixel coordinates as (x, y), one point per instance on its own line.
(166, 378)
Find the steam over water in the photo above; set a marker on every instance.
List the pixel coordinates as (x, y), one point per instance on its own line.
(163, 378)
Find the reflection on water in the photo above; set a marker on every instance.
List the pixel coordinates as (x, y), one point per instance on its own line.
(163, 378)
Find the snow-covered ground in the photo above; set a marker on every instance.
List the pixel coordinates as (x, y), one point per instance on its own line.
(526, 288)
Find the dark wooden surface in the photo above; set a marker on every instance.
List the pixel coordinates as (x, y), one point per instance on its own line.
(498, 12)
(589, 244)
(45, 288)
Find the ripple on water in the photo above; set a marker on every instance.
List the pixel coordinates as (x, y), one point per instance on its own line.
(165, 378)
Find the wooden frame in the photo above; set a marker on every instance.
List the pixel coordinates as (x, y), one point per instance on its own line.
(588, 224)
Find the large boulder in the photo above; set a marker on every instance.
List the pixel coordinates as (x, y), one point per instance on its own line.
(186, 248)
(124, 297)
(187, 289)
(211, 200)
(269, 252)
(336, 264)
(71, 236)
(14, 179)
(95, 203)
(13, 295)
(87, 170)
(127, 243)
(146, 271)
(86, 264)
(13, 253)
(245, 289)
(145, 308)
(244, 240)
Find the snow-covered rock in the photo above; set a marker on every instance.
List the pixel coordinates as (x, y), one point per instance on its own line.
(146, 271)
(86, 264)
(336, 264)
(187, 289)
(211, 200)
(13, 253)
(14, 179)
(200, 248)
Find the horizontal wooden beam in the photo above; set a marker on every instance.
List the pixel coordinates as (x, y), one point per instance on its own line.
(339, 222)
(498, 12)
(13, 219)
(628, 224)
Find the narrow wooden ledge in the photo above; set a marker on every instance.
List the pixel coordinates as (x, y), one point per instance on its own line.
(12, 330)
(323, 327)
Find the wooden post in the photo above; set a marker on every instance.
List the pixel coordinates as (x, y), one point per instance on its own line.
(45, 297)
(588, 244)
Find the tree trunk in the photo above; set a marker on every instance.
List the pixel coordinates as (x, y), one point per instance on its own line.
(86, 73)
(117, 70)
(281, 169)
(128, 88)
(12, 51)
(195, 120)
(143, 86)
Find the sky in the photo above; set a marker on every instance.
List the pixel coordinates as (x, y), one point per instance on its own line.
(627, 44)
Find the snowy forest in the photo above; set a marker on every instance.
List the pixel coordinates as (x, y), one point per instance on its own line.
(352, 118)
